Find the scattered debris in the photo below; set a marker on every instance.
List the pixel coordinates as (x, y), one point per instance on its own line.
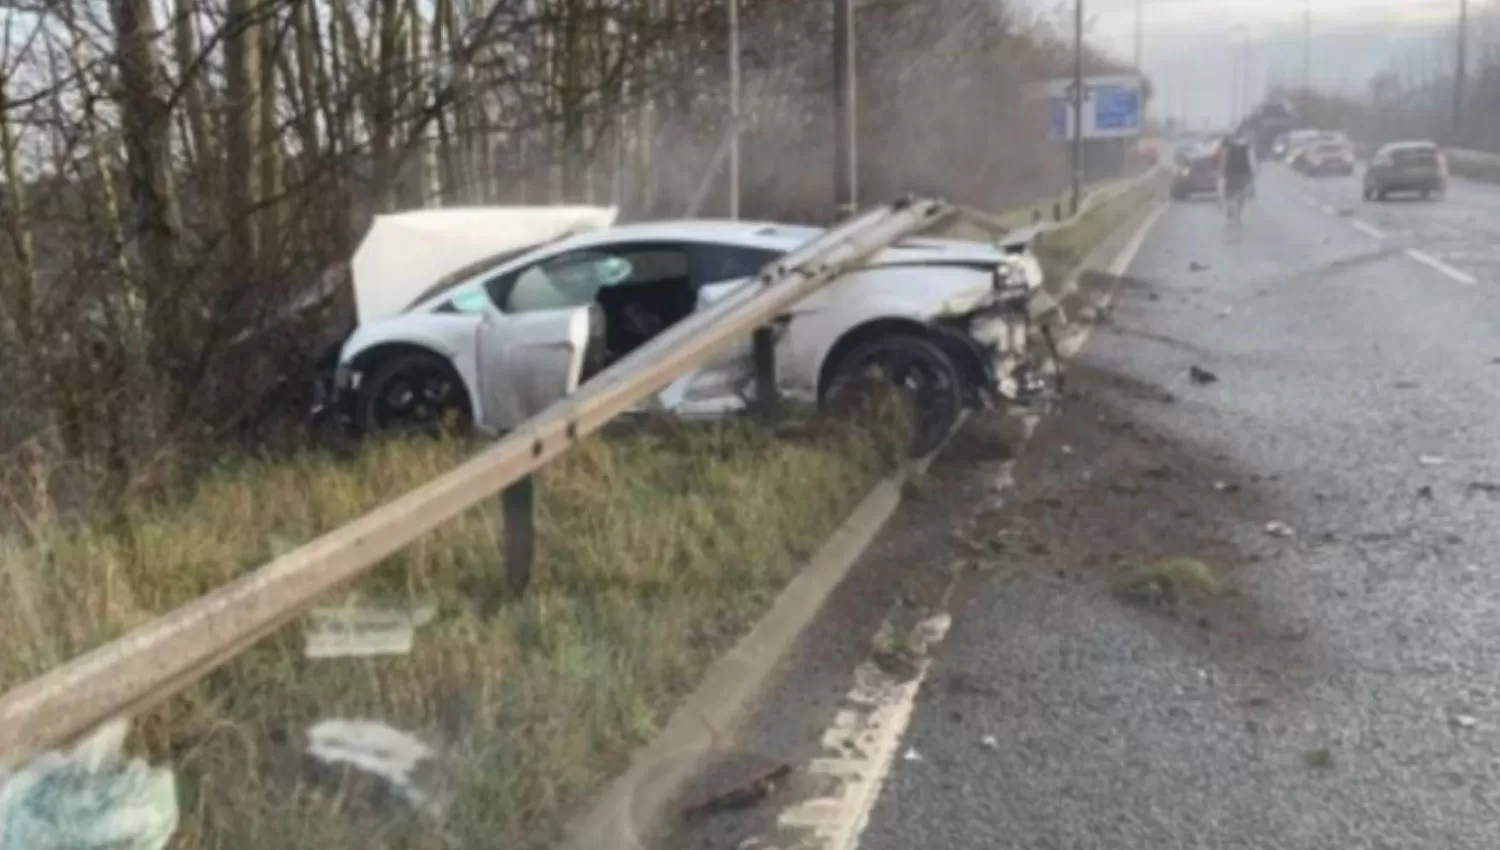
(1318, 759)
(1067, 450)
(1196, 266)
(1226, 487)
(1125, 486)
(912, 755)
(1406, 385)
(1201, 376)
(91, 798)
(1277, 528)
(1431, 460)
(361, 632)
(1164, 582)
(1490, 487)
(1464, 721)
(989, 742)
(754, 842)
(1424, 492)
(1159, 471)
(374, 748)
(1224, 313)
(742, 797)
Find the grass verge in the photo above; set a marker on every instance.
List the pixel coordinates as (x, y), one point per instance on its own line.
(656, 550)
(1063, 250)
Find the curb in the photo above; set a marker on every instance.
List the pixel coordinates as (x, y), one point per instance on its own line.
(634, 803)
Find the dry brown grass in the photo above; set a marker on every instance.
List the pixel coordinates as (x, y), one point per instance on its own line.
(656, 550)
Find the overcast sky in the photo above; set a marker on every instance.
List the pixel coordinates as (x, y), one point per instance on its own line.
(1194, 49)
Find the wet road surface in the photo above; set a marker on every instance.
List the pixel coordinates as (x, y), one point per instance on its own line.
(1336, 686)
(1340, 690)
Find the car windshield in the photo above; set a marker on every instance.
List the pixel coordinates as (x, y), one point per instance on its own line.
(458, 276)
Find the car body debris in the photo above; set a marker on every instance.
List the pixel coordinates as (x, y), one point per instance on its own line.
(752, 793)
(1201, 376)
(1277, 528)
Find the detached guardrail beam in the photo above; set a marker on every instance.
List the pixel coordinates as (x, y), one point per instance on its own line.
(166, 655)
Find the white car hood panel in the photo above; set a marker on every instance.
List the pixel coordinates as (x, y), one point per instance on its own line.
(405, 253)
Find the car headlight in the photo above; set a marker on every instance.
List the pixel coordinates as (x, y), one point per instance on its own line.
(1019, 272)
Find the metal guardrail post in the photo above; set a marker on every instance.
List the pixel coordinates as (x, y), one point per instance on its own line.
(518, 506)
(763, 353)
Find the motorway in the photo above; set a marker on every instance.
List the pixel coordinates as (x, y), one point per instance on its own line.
(1338, 688)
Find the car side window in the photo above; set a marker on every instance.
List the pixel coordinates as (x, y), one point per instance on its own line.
(576, 278)
(718, 263)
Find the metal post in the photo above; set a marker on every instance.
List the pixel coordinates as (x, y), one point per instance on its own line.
(1247, 103)
(844, 121)
(1077, 105)
(1461, 70)
(734, 109)
(763, 349)
(518, 507)
(1306, 52)
(1140, 29)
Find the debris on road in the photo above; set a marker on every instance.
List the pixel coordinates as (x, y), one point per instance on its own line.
(1424, 492)
(1319, 759)
(1490, 487)
(1165, 581)
(1464, 721)
(1431, 460)
(1277, 528)
(989, 742)
(1196, 266)
(912, 755)
(1226, 487)
(750, 794)
(1201, 376)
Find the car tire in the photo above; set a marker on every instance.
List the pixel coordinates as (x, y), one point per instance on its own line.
(439, 401)
(933, 383)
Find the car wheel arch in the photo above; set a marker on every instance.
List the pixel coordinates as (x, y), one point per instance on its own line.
(373, 358)
(964, 355)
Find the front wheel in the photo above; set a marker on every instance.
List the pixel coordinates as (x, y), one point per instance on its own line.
(921, 370)
(413, 394)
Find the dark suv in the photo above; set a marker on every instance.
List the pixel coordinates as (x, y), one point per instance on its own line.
(1196, 173)
(1406, 167)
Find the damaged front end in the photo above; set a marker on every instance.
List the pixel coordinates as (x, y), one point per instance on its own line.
(1011, 330)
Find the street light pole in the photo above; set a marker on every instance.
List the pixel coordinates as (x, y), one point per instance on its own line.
(1077, 106)
(844, 121)
(1140, 29)
(1307, 50)
(734, 109)
(1461, 70)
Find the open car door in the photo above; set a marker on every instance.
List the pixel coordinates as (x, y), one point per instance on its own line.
(527, 361)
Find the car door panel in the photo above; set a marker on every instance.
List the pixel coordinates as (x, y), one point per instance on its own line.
(528, 361)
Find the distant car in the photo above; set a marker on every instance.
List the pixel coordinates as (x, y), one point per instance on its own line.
(1417, 166)
(1328, 155)
(1196, 174)
(1298, 142)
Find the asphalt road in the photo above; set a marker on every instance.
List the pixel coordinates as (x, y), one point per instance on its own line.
(1336, 687)
(1340, 689)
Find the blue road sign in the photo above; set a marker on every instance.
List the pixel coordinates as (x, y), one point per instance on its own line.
(1116, 110)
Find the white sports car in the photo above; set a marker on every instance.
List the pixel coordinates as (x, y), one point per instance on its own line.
(487, 315)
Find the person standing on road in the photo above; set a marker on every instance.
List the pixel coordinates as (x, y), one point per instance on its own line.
(1236, 168)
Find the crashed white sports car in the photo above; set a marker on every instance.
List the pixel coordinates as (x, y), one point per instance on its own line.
(487, 315)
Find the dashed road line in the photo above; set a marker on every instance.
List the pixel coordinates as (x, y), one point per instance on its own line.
(1368, 229)
(1427, 259)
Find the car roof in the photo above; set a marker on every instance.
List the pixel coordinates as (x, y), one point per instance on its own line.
(775, 236)
(1409, 145)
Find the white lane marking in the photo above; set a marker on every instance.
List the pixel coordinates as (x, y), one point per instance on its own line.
(1427, 259)
(868, 736)
(1368, 229)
